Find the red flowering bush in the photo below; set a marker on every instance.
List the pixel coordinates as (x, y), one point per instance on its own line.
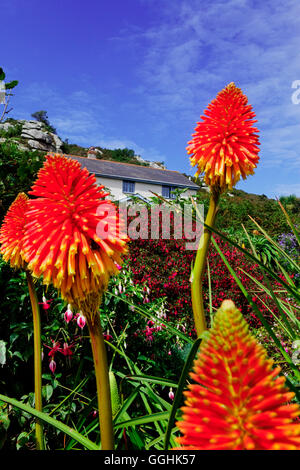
(165, 267)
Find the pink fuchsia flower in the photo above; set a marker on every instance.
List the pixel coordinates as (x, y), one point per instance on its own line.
(67, 349)
(45, 303)
(68, 315)
(171, 394)
(54, 349)
(52, 366)
(107, 336)
(81, 321)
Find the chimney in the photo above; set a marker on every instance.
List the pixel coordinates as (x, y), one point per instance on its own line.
(92, 153)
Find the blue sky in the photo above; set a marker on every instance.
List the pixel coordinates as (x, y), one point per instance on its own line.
(139, 73)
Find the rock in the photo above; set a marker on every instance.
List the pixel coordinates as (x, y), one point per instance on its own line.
(36, 135)
(28, 125)
(5, 126)
(158, 165)
(33, 144)
(57, 142)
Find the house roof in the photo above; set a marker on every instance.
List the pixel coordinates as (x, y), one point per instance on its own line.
(128, 171)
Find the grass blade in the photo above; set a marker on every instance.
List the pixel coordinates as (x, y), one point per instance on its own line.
(52, 422)
(181, 385)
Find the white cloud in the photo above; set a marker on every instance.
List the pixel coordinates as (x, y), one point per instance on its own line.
(287, 189)
(199, 47)
(146, 153)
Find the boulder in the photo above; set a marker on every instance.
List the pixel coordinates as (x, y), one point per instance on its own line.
(28, 125)
(57, 142)
(5, 126)
(36, 145)
(36, 135)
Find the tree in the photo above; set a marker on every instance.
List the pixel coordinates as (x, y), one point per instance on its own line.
(5, 93)
(43, 117)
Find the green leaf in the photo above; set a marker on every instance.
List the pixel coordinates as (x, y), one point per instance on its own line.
(22, 439)
(4, 420)
(180, 388)
(114, 392)
(47, 391)
(259, 314)
(53, 422)
(2, 74)
(127, 403)
(255, 260)
(18, 354)
(164, 415)
(11, 85)
(135, 439)
(152, 379)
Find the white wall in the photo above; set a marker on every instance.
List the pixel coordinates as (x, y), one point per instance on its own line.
(113, 185)
(144, 189)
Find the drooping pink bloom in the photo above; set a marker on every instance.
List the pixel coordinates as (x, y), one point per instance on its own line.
(52, 366)
(68, 315)
(81, 321)
(45, 303)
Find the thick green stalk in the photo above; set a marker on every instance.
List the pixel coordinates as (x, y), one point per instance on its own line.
(37, 360)
(199, 267)
(102, 381)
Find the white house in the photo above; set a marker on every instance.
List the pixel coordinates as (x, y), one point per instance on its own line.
(125, 179)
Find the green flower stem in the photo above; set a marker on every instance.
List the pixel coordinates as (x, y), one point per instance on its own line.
(102, 381)
(199, 266)
(37, 360)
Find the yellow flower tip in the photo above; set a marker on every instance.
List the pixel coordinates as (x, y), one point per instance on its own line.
(228, 306)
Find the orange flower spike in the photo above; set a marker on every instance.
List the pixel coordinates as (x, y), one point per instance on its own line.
(12, 232)
(225, 143)
(237, 402)
(64, 219)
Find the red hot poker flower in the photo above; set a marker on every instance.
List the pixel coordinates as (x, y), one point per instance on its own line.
(12, 232)
(225, 143)
(238, 402)
(62, 242)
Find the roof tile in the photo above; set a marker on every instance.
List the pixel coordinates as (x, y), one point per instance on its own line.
(128, 171)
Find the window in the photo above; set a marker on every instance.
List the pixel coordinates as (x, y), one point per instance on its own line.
(167, 192)
(128, 187)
